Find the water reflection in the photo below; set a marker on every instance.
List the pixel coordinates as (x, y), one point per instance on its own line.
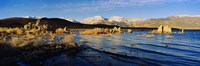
(149, 48)
(128, 49)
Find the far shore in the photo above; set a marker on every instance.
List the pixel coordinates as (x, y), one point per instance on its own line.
(147, 28)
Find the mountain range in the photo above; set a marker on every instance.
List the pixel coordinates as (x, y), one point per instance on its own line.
(113, 20)
(178, 21)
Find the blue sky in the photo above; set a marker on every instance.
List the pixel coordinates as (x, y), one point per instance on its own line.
(80, 9)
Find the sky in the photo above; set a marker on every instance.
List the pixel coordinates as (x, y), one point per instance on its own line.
(81, 9)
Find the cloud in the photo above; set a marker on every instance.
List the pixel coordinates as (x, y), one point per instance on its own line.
(105, 5)
(112, 4)
(122, 3)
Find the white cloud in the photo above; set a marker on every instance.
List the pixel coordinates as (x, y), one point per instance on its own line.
(99, 5)
(111, 4)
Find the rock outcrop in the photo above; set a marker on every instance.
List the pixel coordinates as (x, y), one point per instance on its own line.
(167, 29)
(163, 30)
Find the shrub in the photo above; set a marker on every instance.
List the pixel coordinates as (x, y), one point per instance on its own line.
(18, 31)
(101, 31)
(30, 36)
(18, 42)
(59, 31)
(68, 39)
(14, 41)
(52, 36)
(87, 32)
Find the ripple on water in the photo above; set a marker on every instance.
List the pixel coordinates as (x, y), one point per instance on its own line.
(180, 50)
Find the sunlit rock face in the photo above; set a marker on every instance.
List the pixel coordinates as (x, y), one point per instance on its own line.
(167, 29)
(93, 20)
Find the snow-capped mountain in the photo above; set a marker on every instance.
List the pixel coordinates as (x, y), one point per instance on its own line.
(113, 20)
(33, 17)
(69, 19)
(93, 20)
(129, 21)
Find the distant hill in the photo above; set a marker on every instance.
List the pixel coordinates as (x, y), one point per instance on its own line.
(51, 22)
(181, 22)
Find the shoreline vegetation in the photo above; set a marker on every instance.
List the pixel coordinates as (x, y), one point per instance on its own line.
(34, 43)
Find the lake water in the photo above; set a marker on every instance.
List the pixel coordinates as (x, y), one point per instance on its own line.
(129, 49)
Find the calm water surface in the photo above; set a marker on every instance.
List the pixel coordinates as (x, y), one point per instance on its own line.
(129, 49)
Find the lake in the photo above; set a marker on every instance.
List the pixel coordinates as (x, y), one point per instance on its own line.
(129, 49)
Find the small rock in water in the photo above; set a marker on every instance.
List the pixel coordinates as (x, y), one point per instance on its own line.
(148, 36)
(169, 37)
(129, 30)
(133, 45)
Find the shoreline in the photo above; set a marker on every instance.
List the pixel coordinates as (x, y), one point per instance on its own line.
(146, 28)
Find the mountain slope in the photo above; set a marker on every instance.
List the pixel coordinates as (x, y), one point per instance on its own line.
(181, 22)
